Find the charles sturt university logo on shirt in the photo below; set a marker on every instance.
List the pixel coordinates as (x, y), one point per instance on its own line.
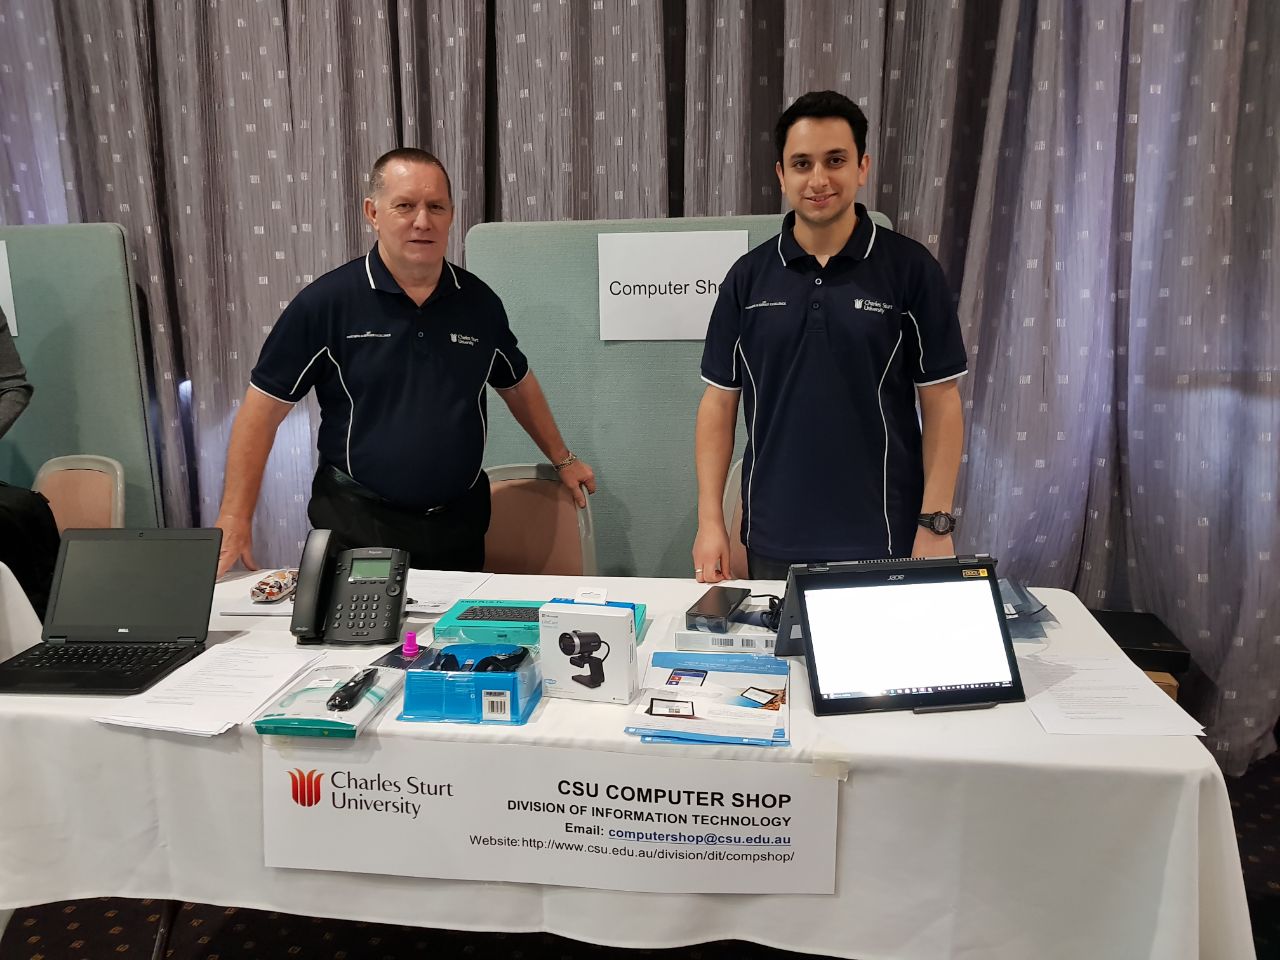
(306, 786)
(873, 306)
(463, 339)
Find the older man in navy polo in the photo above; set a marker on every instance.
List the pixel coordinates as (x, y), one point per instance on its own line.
(830, 332)
(399, 345)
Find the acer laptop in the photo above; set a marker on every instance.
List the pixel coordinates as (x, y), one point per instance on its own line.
(127, 607)
(919, 635)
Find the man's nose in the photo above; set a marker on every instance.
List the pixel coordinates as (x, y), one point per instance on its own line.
(420, 220)
(818, 175)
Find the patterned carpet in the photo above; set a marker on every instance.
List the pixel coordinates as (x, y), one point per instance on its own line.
(126, 929)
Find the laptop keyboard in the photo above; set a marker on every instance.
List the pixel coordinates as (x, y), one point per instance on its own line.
(503, 614)
(97, 657)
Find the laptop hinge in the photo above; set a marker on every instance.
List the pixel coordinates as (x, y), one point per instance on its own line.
(55, 640)
(188, 640)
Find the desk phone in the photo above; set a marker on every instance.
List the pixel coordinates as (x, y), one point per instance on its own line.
(348, 596)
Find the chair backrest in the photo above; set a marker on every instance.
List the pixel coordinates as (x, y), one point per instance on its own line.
(19, 626)
(536, 527)
(733, 519)
(83, 491)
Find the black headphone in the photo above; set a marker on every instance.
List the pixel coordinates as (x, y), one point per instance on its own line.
(498, 663)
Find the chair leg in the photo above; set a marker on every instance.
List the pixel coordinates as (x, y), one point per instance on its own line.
(168, 914)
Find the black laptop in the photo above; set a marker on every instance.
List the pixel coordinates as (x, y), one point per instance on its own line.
(127, 608)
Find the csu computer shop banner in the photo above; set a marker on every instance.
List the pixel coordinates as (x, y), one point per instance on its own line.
(583, 818)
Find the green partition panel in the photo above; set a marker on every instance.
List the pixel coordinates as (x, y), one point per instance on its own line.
(78, 337)
(628, 407)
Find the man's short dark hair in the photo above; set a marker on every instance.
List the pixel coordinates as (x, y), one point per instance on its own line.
(822, 104)
(406, 155)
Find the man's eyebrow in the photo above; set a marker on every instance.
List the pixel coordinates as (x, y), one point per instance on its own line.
(836, 151)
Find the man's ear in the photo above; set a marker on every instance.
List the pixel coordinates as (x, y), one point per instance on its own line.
(777, 168)
(864, 167)
(371, 213)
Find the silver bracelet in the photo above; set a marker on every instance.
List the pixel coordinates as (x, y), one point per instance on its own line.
(571, 458)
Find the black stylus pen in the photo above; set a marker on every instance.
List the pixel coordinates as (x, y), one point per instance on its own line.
(349, 694)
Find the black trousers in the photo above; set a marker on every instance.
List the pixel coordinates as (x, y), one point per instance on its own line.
(447, 537)
(766, 568)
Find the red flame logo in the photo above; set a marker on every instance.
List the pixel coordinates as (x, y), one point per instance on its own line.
(306, 786)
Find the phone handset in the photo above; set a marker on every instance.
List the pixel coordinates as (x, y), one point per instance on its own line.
(310, 600)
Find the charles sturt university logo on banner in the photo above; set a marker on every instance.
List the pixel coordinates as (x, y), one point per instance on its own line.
(306, 786)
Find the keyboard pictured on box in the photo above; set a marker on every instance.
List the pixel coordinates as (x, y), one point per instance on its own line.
(501, 614)
(490, 621)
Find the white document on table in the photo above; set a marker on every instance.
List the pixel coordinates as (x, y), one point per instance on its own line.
(432, 592)
(221, 688)
(1100, 696)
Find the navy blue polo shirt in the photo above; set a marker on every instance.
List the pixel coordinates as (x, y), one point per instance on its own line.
(828, 359)
(401, 387)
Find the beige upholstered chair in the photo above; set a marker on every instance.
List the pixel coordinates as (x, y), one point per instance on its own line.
(83, 491)
(536, 527)
(733, 520)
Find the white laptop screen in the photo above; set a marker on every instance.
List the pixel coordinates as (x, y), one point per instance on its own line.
(895, 639)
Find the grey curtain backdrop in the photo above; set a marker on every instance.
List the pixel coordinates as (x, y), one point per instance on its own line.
(1097, 177)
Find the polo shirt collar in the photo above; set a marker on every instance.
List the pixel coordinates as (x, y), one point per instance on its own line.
(380, 277)
(858, 247)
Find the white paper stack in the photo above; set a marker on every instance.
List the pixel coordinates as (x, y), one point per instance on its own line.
(1100, 696)
(219, 689)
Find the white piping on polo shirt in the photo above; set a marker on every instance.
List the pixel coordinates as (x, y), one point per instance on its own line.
(374, 286)
(721, 386)
(498, 353)
(484, 424)
(751, 439)
(733, 356)
(919, 339)
(351, 417)
(780, 256)
(271, 395)
(342, 380)
(872, 242)
(954, 376)
(885, 477)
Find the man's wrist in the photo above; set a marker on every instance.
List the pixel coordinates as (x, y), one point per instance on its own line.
(938, 522)
(568, 458)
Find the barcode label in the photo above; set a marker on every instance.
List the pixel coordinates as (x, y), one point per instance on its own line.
(496, 705)
(722, 641)
(747, 643)
(770, 642)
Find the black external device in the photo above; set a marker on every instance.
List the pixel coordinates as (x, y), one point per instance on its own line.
(714, 609)
(349, 694)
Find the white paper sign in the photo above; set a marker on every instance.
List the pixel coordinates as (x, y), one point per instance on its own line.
(6, 289)
(662, 286)
(583, 818)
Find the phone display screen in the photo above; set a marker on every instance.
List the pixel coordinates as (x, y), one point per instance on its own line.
(374, 569)
(684, 677)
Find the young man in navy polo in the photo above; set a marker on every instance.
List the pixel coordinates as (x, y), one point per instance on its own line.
(830, 332)
(399, 346)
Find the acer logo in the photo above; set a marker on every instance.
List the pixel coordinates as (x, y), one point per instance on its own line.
(306, 786)
(897, 576)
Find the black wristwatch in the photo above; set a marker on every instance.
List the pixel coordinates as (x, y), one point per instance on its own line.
(940, 522)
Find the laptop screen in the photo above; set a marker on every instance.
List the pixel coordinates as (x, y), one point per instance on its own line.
(132, 585)
(902, 638)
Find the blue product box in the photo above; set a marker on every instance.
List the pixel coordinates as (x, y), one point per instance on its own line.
(454, 627)
(463, 696)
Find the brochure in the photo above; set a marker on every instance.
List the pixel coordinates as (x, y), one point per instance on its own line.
(713, 698)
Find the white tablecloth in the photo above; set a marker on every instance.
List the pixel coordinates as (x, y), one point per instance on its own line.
(970, 834)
